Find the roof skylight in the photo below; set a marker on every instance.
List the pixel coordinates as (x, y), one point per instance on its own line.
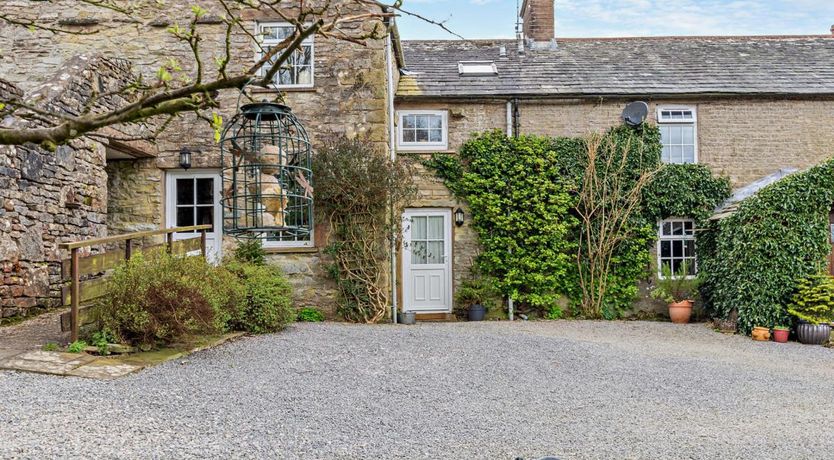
(477, 68)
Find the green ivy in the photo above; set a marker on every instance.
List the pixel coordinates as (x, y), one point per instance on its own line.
(684, 190)
(520, 200)
(752, 259)
(522, 193)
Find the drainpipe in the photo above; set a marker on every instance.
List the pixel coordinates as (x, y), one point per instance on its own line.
(512, 131)
(392, 146)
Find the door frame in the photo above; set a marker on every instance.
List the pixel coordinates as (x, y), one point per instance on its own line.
(405, 262)
(171, 206)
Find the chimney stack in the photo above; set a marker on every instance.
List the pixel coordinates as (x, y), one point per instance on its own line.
(832, 30)
(538, 19)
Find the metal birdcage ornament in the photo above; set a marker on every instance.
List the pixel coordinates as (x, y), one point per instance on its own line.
(267, 175)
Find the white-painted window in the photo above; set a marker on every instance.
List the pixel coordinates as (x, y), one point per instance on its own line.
(678, 134)
(423, 130)
(477, 68)
(676, 246)
(298, 71)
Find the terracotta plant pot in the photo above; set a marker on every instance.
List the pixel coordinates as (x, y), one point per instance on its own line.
(680, 312)
(761, 334)
(781, 335)
(813, 334)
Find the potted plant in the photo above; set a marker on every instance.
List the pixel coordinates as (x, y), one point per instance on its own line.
(475, 295)
(781, 333)
(761, 334)
(679, 290)
(813, 305)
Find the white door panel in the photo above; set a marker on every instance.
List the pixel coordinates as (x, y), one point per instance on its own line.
(427, 270)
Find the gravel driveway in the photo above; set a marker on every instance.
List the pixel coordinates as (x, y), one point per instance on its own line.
(466, 390)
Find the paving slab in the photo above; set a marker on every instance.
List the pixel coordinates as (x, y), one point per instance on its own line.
(8, 353)
(104, 369)
(46, 362)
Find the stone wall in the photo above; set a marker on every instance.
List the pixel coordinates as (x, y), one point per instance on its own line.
(51, 197)
(349, 97)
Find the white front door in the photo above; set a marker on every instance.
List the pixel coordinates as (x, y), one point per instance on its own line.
(427, 260)
(193, 198)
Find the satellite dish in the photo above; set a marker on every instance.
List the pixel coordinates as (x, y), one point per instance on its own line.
(635, 113)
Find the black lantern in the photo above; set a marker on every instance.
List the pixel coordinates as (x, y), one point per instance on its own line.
(459, 217)
(185, 158)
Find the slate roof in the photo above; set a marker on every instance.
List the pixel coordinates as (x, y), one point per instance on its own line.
(657, 66)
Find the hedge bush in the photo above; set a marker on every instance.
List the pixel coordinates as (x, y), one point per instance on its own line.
(267, 304)
(752, 259)
(161, 299)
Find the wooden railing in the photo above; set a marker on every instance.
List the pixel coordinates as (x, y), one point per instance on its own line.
(77, 266)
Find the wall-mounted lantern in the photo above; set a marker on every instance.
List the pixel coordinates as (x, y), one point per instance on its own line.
(185, 158)
(459, 217)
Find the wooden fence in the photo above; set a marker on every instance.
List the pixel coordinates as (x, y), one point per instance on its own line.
(75, 291)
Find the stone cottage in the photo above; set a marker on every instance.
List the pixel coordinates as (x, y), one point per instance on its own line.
(744, 106)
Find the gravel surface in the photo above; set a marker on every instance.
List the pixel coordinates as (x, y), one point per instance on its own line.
(455, 390)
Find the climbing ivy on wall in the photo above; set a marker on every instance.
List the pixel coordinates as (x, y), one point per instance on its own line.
(523, 193)
(752, 259)
(520, 200)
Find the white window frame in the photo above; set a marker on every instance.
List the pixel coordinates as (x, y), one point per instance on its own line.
(266, 244)
(423, 146)
(693, 121)
(661, 237)
(309, 41)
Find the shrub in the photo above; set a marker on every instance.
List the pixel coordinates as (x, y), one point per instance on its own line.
(814, 299)
(675, 287)
(478, 289)
(310, 315)
(267, 303)
(355, 184)
(165, 299)
(751, 259)
(250, 251)
(77, 347)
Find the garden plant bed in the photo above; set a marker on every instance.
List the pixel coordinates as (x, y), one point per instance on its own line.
(102, 367)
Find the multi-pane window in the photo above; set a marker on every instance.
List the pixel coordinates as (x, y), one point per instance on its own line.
(676, 246)
(297, 71)
(428, 244)
(423, 129)
(195, 202)
(678, 135)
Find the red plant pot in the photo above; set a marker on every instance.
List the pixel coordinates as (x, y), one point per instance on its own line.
(780, 335)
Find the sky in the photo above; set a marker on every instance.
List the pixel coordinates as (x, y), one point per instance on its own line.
(475, 19)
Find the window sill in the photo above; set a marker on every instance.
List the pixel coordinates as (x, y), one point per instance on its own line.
(425, 152)
(291, 250)
(300, 89)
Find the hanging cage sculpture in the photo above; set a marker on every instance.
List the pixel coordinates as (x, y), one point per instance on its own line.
(267, 175)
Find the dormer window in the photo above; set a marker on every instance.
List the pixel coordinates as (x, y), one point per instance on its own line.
(477, 68)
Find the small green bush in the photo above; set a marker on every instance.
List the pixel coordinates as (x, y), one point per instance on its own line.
(675, 287)
(77, 347)
(477, 290)
(50, 346)
(165, 299)
(250, 251)
(267, 304)
(814, 299)
(310, 315)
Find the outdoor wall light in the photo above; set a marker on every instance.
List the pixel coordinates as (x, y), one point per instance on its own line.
(185, 158)
(459, 217)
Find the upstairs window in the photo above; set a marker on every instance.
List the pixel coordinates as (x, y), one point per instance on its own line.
(298, 70)
(676, 246)
(423, 130)
(678, 134)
